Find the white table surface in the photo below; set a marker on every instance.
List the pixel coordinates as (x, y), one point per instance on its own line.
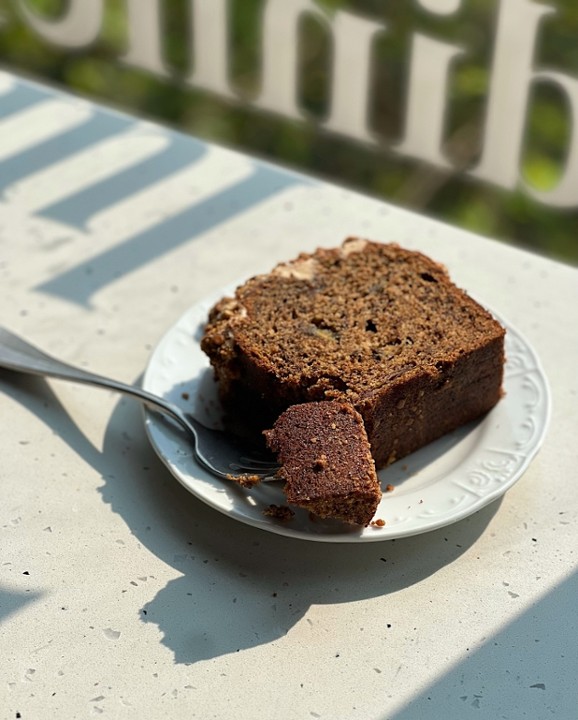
(124, 596)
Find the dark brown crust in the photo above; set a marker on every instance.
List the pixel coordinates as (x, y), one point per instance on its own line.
(326, 461)
(371, 324)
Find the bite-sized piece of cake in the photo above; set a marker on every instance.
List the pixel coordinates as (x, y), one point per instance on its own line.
(371, 324)
(326, 461)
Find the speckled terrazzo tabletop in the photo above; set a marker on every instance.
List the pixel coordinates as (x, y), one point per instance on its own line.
(121, 594)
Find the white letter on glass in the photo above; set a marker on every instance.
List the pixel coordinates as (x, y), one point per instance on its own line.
(145, 37)
(210, 46)
(511, 76)
(351, 73)
(78, 27)
(427, 97)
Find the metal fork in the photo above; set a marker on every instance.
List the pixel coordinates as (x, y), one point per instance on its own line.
(223, 454)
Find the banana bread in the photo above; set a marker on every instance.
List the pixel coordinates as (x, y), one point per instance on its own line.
(326, 461)
(370, 324)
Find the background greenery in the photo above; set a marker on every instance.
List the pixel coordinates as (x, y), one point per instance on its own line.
(510, 216)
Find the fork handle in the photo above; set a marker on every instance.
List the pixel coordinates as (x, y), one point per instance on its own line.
(17, 354)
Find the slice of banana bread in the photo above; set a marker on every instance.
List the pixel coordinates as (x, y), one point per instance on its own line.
(374, 325)
(326, 461)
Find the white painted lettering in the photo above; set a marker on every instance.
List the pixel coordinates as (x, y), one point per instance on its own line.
(427, 94)
(79, 26)
(511, 76)
(430, 61)
(441, 7)
(565, 193)
(144, 37)
(210, 46)
(351, 75)
(280, 52)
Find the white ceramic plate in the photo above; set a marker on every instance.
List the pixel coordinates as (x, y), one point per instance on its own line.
(436, 486)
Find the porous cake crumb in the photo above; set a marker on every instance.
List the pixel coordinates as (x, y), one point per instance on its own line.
(326, 461)
(373, 325)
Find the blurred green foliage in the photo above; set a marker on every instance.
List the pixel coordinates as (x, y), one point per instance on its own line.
(511, 216)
